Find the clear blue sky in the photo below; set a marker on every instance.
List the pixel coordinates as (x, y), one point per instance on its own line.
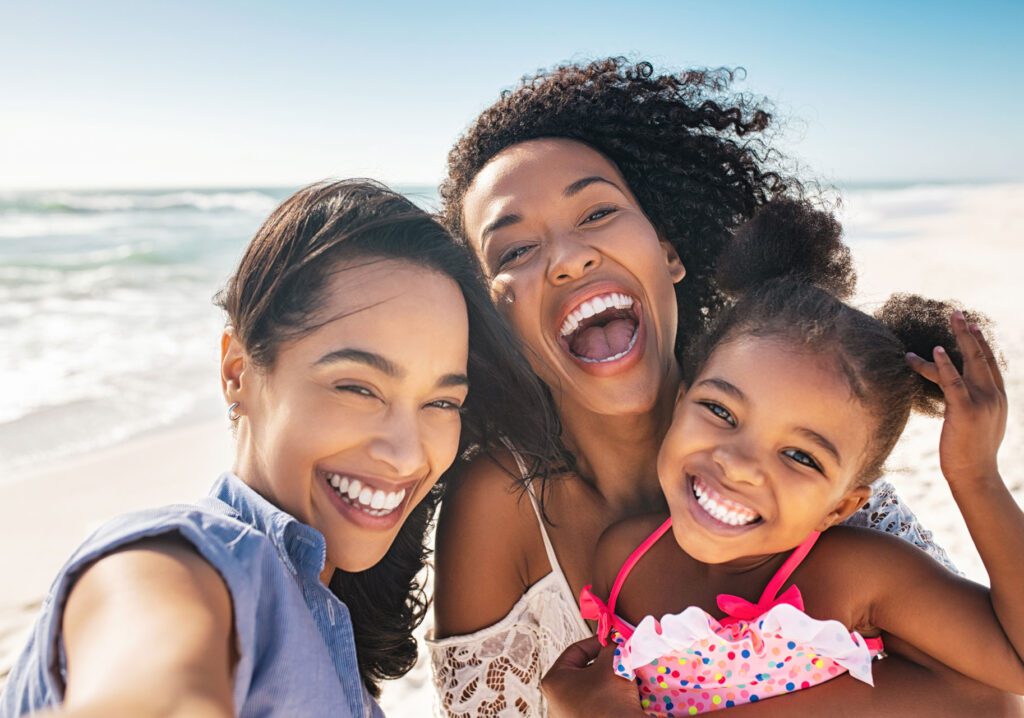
(144, 93)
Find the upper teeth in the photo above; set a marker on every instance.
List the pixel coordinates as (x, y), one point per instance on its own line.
(376, 501)
(725, 510)
(592, 306)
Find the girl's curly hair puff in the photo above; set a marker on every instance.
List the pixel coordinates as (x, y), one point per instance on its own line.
(690, 149)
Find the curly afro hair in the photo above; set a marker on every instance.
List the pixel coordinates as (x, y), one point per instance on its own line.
(786, 275)
(691, 150)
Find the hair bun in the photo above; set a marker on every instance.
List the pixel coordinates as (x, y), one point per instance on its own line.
(788, 239)
(922, 324)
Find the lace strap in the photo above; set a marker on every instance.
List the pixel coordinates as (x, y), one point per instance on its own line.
(632, 559)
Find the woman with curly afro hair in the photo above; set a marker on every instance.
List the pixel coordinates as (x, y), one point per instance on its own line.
(597, 199)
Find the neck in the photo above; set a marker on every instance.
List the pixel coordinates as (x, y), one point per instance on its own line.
(617, 455)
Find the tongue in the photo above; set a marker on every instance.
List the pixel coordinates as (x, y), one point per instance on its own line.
(603, 342)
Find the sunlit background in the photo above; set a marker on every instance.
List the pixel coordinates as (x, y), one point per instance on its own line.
(141, 143)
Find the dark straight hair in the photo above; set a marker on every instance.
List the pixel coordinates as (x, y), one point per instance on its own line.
(276, 295)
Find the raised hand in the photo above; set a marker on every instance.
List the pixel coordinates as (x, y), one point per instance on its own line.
(976, 406)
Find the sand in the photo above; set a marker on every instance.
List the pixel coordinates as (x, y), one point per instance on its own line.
(944, 242)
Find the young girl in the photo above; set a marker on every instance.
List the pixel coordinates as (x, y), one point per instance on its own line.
(794, 401)
(356, 327)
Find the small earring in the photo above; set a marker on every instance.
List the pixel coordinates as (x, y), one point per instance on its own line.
(232, 416)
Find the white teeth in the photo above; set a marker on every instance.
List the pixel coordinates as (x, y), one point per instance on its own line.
(724, 510)
(591, 307)
(379, 497)
(375, 502)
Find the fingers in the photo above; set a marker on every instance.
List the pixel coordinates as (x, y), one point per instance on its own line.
(990, 358)
(923, 367)
(578, 655)
(976, 367)
(953, 385)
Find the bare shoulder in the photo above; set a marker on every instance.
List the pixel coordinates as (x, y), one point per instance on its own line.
(615, 545)
(864, 566)
(151, 621)
(486, 527)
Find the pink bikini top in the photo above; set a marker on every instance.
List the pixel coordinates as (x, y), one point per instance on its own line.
(736, 609)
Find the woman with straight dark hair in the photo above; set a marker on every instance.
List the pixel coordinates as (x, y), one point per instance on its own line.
(362, 358)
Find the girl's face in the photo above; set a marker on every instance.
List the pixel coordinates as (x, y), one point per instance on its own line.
(764, 449)
(356, 421)
(579, 271)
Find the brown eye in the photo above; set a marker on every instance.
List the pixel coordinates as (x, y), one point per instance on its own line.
(510, 255)
(599, 214)
(802, 457)
(720, 411)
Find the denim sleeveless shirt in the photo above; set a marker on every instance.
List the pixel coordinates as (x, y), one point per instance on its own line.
(297, 655)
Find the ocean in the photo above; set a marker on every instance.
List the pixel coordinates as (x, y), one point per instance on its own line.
(107, 325)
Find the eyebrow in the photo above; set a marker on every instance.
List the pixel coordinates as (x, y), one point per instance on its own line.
(500, 223)
(570, 191)
(822, 442)
(580, 184)
(383, 365)
(734, 391)
(722, 385)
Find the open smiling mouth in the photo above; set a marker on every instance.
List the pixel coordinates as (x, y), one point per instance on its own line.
(374, 502)
(601, 329)
(721, 509)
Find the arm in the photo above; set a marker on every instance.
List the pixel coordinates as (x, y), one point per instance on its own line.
(485, 521)
(982, 631)
(148, 632)
(482, 571)
(581, 685)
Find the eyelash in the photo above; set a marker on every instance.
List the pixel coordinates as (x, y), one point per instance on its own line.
(604, 212)
(511, 255)
(517, 252)
(810, 462)
(362, 391)
(722, 413)
(356, 389)
(719, 411)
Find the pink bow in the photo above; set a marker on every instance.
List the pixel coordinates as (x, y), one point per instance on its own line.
(739, 609)
(594, 609)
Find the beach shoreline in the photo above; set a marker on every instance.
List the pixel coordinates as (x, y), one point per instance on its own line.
(970, 251)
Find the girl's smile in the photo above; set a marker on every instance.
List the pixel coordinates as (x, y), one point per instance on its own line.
(764, 449)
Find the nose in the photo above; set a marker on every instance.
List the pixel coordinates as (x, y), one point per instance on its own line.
(738, 464)
(398, 443)
(570, 258)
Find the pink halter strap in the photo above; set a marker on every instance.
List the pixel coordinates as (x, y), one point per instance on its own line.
(630, 562)
(768, 596)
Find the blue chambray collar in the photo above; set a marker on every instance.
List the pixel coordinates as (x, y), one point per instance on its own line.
(302, 548)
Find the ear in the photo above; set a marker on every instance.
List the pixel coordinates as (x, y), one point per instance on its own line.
(234, 366)
(851, 501)
(676, 270)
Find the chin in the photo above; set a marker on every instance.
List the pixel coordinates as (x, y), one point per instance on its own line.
(350, 562)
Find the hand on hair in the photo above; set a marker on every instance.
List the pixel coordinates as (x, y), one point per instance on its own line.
(976, 407)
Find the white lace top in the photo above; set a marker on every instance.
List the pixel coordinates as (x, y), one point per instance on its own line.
(496, 671)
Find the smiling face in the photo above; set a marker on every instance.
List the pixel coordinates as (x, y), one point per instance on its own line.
(355, 422)
(579, 271)
(764, 449)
